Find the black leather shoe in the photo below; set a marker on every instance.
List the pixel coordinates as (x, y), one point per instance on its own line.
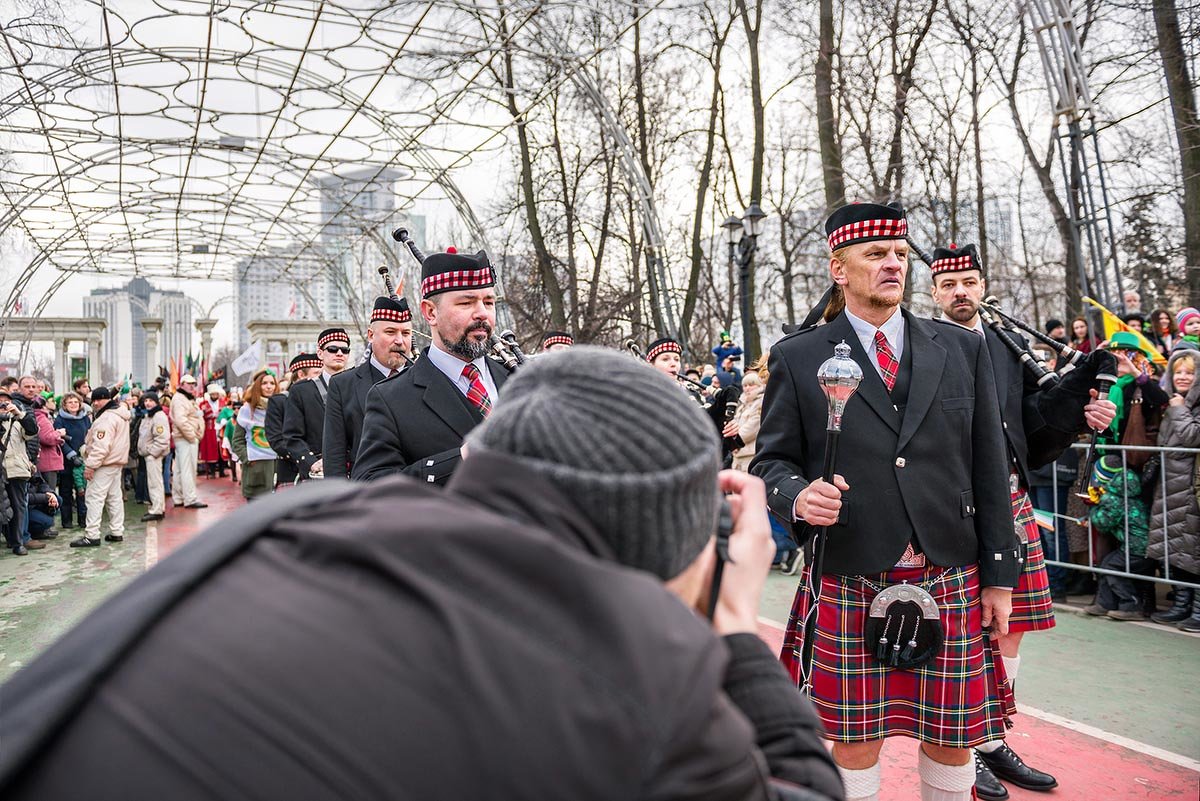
(21, 550)
(146, 518)
(987, 786)
(114, 537)
(50, 534)
(85, 542)
(197, 505)
(1005, 763)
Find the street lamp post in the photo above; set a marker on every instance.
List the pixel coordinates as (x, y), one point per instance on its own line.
(741, 235)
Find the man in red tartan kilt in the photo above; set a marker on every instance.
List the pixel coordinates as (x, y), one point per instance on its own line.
(920, 497)
(1039, 423)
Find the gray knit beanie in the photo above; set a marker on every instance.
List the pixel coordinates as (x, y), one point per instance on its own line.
(636, 455)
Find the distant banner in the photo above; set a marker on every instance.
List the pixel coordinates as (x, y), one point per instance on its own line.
(250, 359)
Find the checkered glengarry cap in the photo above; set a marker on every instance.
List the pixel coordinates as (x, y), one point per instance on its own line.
(556, 338)
(303, 361)
(451, 271)
(865, 222)
(330, 335)
(395, 311)
(955, 259)
(662, 345)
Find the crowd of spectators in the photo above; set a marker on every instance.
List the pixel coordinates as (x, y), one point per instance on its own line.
(1142, 515)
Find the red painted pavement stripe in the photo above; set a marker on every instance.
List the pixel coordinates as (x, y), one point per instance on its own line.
(1087, 768)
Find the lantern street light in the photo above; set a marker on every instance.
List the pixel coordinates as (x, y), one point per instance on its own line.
(741, 235)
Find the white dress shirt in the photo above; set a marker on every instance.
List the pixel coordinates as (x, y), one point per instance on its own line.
(452, 367)
(893, 332)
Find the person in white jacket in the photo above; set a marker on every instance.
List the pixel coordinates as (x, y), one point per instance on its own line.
(105, 452)
(154, 442)
(187, 422)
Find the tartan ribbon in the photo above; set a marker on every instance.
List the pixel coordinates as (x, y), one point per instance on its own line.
(477, 393)
(868, 229)
(887, 360)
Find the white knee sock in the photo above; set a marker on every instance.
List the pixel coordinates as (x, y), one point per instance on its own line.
(944, 782)
(861, 785)
(1011, 665)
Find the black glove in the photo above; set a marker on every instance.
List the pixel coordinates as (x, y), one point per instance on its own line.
(75, 459)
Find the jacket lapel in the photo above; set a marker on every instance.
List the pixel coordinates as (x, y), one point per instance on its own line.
(366, 377)
(442, 397)
(871, 389)
(928, 361)
(499, 373)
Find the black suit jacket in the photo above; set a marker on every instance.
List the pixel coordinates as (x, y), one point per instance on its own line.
(285, 471)
(415, 423)
(938, 472)
(344, 409)
(304, 425)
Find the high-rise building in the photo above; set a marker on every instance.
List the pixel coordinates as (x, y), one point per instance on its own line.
(124, 308)
(357, 209)
(269, 287)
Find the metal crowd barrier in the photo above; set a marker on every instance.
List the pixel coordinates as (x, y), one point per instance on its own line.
(1050, 544)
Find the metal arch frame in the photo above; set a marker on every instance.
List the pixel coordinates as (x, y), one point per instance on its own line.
(1083, 174)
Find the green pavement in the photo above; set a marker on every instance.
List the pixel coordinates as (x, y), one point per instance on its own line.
(45, 593)
(1140, 681)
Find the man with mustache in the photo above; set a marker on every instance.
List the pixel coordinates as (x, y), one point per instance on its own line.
(415, 422)
(1039, 424)
(389, 338)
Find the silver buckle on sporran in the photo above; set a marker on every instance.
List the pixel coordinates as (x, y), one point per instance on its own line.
(904, 627)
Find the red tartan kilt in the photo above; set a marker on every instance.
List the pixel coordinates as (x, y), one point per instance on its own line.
(955, 701)
(1032, 606)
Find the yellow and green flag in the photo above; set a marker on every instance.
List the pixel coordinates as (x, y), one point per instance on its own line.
(1113, 324)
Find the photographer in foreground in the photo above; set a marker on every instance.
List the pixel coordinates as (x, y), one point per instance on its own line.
(531, 632)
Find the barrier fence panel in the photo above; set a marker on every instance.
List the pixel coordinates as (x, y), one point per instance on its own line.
(1053, 542)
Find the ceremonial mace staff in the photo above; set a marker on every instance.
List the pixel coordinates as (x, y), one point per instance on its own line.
(839, 378)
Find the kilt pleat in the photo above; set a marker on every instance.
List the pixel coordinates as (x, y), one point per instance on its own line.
(958, 700)
(1032, 606)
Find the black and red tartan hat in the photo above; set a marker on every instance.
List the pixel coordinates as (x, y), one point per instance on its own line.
(393, 311)
(331, 335)
(660, 346)
(556, 338)
(865, 222)
(303, 361)
(452, 271)
(955, 260)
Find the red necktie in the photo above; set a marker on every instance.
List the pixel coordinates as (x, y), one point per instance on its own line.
(477, 392)
(887, 360)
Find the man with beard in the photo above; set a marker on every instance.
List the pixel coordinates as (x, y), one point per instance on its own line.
(416, 421)
(389, 337)
(304, 416)
(302, 367)
(1039, 424)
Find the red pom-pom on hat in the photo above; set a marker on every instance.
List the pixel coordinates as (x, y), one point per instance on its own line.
(452, 249)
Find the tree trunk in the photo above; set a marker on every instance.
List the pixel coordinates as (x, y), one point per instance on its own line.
(545, 264)
(753, 29)
(1187, 131)
(827, 132)
(706, 168)
(980, 196)
(648, 253)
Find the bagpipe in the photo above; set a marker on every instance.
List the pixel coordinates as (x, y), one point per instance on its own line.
(1075, 373)
(503, 346)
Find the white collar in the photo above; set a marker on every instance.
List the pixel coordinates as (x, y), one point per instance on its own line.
(893, 328)
(451, 365)
(387, 371)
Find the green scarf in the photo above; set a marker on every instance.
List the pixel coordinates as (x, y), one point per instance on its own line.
(1117, 396)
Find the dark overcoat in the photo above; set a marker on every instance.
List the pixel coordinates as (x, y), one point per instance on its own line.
(935, 474)
(304, 423)
(415, 423)
(285, 471)
(495, 651)
(344, 410)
